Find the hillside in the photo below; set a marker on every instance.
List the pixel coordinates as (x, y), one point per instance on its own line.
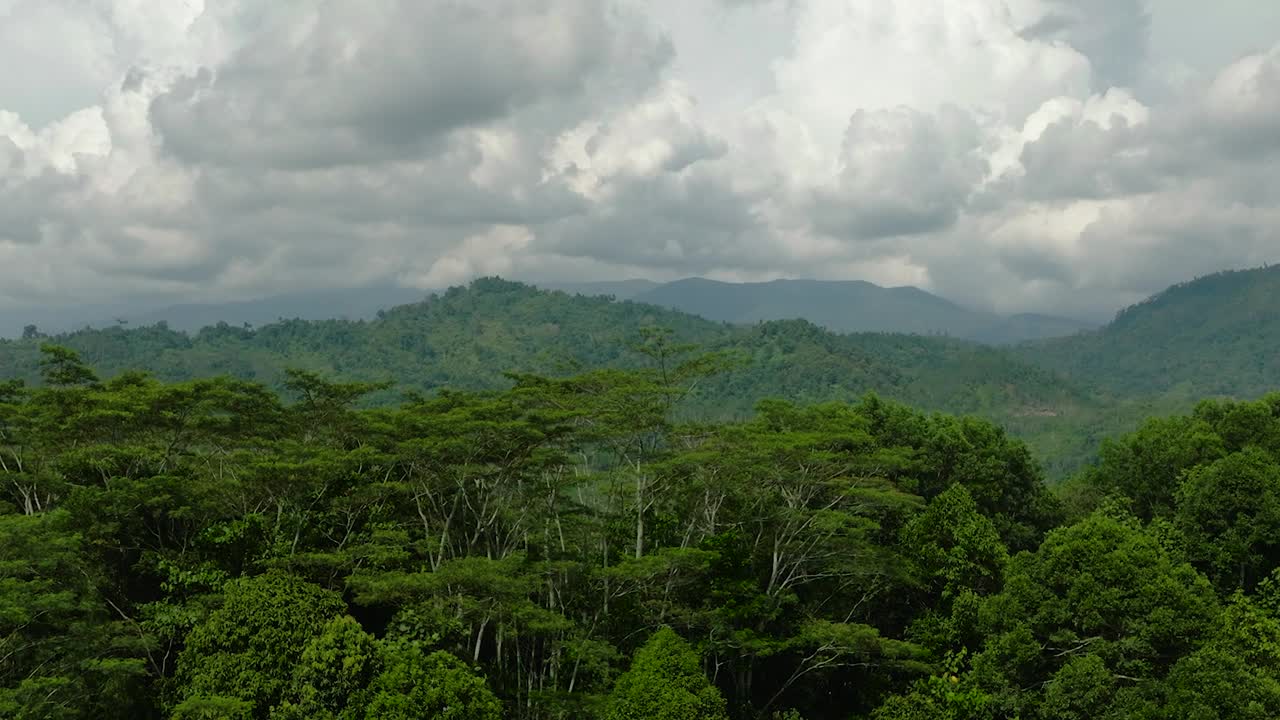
(851, 306)
(1216, 335)
(470, 338)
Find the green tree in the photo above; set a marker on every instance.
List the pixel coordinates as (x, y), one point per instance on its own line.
(955, 547)
(950, 695)
(250, 647)
(959, 557)
(1147, 466)
(332, 674)
(665, 682)
(1236, 676)
(1230, 513)
(61, 654)
(1106, 587)
(414, 685)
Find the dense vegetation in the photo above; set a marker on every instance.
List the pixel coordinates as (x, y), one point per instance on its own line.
(582, 546)
(469, 338)
(1216, 335)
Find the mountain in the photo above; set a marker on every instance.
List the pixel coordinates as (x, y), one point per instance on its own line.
(469, 338)
(348, 303)
(342, 304)
(1214, 336)
(851, 306)
(619, 289)
(1024, 327)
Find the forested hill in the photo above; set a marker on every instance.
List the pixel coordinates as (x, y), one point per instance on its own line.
(1216, 335)
(470, 338)
(852, 306)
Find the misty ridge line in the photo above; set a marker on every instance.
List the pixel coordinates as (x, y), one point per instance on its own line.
(842, 306)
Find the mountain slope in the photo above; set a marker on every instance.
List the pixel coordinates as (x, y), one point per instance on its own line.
(469, 338)
(851, 306)
(1216, 335)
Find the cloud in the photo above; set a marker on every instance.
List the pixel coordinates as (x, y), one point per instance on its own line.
(901, 172)
(347, 83)
(1024, 155)
(1113, 34)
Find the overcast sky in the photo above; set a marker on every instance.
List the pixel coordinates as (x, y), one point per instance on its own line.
(1068, 156)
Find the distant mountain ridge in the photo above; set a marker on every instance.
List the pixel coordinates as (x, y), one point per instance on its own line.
(339, 303)
(853, 306)
(1218, 335)
(619, 289)
(469, 338)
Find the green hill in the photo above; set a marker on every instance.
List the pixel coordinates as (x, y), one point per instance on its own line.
(469, 338)
(1214, 336)
(851, 306)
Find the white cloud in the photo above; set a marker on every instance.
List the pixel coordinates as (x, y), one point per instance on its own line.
(1019, 154)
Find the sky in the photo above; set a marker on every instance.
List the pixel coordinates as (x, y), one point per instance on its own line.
(1063, 156)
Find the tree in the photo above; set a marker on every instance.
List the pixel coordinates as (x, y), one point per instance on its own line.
(958, 556)
(62, 367)
(665, 682)
(1230, 513)
(1147, 466)
(248, 649)
(61, 654)
(1236, 676)
(332, 675)
(1105, 586)
(949, 695)
(414, 685)
(954, 546)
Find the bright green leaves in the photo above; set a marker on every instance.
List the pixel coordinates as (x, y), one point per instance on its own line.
(955, 546)
(61, 654)
(415, 685)
(958, 557)
(1215, 475)
(949, 695)
(665, 682)
(1148, 465)
(268, 653)
(249, 648)
(335, 668)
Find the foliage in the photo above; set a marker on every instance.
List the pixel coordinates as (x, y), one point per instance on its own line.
(665, 682)
(435, 686)
(209, 549)
(472, 338)
(248, 648)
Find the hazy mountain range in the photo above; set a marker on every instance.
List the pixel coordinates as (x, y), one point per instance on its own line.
(839, 306)
(1215, 336)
